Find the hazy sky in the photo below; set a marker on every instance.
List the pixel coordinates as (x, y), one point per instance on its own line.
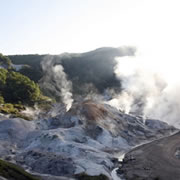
(56, 26)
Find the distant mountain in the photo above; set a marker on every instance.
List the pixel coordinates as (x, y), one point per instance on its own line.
(89, 72)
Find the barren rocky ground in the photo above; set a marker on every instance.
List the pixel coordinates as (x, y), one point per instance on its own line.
(84, 140)
(158, 160)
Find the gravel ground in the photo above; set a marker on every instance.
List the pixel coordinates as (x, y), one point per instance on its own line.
(158, 160)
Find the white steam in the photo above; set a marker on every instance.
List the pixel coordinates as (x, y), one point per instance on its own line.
(150, 88)
(64, 85)
(55, 81)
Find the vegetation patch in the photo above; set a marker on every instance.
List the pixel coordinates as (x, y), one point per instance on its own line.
(14, 110)
(84, 176)
(5, 62)
(13, 172)
(18, 91)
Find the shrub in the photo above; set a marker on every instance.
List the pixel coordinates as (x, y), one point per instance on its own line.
(12, 171)
(1, 100)
(8, 109)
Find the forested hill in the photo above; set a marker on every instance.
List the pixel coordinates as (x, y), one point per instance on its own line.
(90, 71)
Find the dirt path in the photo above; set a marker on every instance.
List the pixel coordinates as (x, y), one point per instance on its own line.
(158, 160)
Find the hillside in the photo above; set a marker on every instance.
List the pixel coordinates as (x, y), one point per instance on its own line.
(17, 90)
(88, 72)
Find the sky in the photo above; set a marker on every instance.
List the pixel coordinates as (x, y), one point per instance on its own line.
(57, 26)
(76, 26)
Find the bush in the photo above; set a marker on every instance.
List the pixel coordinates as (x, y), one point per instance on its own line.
(1, 100)
(8, 109)
(12, 171)
(14, 110)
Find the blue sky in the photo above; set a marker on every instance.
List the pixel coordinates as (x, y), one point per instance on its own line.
(56, 26)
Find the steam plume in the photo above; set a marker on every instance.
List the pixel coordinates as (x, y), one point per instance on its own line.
(56, 82)
(148, 85)
(147, 90)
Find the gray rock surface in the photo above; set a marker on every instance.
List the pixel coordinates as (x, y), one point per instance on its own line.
(2, 178)
(48, 163)
(86, 139)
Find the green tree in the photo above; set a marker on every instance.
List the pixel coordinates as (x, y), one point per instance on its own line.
(15, 87)
(20, 88)
(5, 61)
(3, 76)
